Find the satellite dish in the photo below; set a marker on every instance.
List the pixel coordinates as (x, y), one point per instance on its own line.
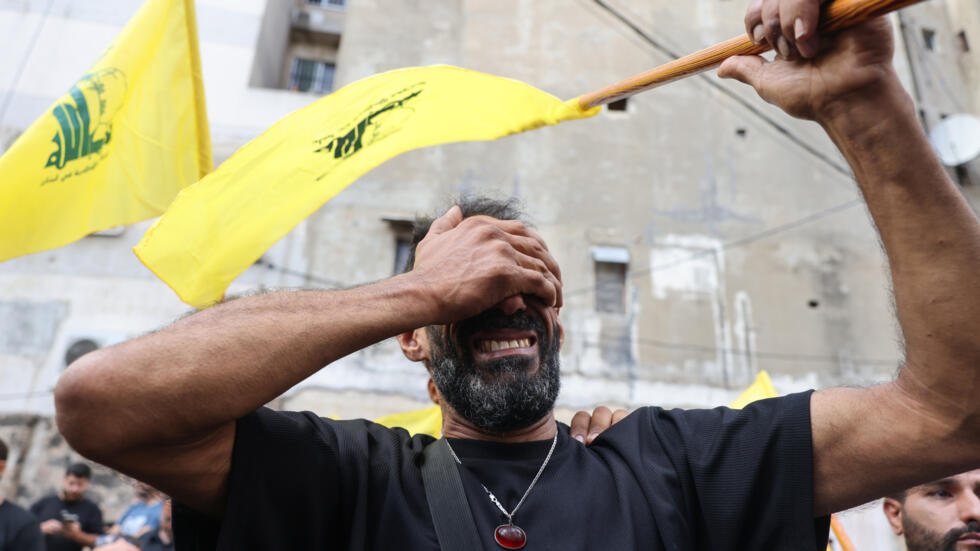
(956, 139)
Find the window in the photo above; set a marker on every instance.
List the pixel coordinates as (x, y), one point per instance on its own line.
(403, 247)
(618, 105)
(402, 228)
(610, 279)
(308, 75)
(331, 3)
(929, 39)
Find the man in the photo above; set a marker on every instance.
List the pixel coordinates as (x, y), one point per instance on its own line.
(19, 530)
(160, 539)
(141, 517)
(943, 515)
(69, 521)
(480, 310)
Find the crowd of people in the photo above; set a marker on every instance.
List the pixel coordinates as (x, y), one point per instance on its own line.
(68, 521)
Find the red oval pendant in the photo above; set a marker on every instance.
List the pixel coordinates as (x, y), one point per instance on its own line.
(509, 536)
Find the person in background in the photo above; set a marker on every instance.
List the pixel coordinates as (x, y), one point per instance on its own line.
(161, 539)
(141, 517)
(68, 520)
(19, 530)
(943, 515)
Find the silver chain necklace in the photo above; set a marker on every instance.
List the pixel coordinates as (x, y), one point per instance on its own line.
(511, 536)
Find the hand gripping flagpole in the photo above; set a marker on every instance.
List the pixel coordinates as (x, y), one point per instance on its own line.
(836, 15)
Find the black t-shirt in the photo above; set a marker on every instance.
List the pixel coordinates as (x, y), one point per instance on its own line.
(716, 479)
(19, 530)
(89, 519)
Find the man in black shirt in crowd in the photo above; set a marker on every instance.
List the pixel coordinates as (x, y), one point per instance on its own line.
(480, 310)
(69, 521)
(942, 515)
(19, 530)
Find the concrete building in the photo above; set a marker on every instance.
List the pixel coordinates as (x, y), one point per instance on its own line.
(703, 235)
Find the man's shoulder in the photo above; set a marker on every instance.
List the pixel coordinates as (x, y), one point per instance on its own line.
(46, 501)
(283, 421)
(15, 513)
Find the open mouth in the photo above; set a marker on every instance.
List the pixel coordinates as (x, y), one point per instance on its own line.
(502, 343)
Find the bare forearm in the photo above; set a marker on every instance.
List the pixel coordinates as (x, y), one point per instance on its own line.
(178, 384)
(932, 239)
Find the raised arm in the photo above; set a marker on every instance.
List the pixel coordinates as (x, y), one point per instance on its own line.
(162, 407)
(926, 424)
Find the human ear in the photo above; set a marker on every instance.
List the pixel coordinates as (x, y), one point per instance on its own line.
(415, 345)
(893, 512)
(434, 392)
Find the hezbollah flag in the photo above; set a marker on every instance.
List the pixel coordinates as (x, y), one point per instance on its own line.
(219, 227)
(118, 146)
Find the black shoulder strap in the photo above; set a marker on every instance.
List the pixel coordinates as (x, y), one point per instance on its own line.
(447, 500)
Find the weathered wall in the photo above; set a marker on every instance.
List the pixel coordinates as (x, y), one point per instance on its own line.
(749, 248)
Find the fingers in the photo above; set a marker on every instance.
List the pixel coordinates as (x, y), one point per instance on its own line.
(580, 426)
(745, 69)
(601, 420)
(799, 25)
(619, 415)
(753, 22)
(446, 222)
(788, 26)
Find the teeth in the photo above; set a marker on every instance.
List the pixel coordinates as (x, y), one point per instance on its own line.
(493, 346)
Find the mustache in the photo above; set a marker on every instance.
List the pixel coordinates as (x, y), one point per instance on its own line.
(949, 540)
(494, 319)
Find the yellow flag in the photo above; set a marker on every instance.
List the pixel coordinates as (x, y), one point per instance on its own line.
(760, 389)
(219, 227)
(420, 421)
(118, 146)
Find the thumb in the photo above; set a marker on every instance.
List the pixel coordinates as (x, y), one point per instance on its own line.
(447, 221)
(743, 68)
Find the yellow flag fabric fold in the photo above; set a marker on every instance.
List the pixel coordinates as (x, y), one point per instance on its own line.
(219, 227)
(119, 146)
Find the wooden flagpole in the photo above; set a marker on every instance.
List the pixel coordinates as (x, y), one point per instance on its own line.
(837, 15)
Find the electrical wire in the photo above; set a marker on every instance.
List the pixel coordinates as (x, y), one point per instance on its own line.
(726, 91)
(707, 349)
(23, 63)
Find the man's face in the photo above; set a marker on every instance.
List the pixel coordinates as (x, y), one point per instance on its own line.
(943, 515)
(73, 487)
(499, 371)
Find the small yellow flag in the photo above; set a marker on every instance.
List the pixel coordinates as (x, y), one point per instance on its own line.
(759, 390)
(219, 227)
(118, 146)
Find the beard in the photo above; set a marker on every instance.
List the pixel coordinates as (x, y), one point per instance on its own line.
(503, 394)
(920, 538)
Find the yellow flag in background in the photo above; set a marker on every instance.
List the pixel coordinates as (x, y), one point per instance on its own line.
(219, 227)
(118, 146)
(760, 389)
(419, 421)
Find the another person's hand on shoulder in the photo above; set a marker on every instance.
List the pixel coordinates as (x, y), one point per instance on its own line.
(585, 427)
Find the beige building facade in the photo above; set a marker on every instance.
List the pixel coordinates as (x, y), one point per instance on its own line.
(703, 235)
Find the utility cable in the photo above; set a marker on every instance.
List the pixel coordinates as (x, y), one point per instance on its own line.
(23, 63)
(726, 91)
